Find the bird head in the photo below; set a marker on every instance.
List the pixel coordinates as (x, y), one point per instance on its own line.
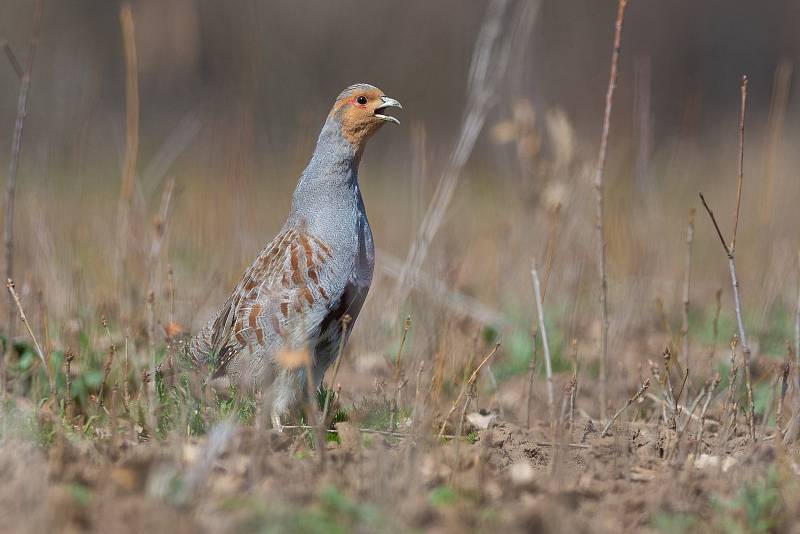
(360, 111)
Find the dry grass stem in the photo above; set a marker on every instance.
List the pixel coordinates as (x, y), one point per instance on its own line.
(730, 251)
(15, 298)
(710, 395)
(543, 329)
(686, 286)
(715, 326)
(131, 140)
(12, 58)
(600, 204)
(531, 376)
(13, 168)
(473, 377)
(645, 385)
(797, 320)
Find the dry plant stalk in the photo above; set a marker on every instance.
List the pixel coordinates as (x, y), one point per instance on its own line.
(490, 59)
(398, 367)
(645, 385)
(160, 230)
(600, 203)
(715, 325)
(399, 376)
(546, 347)
(68, 357)
(15, 299)
(112, 352)
(473, 377)
(13, 168)
(12, 59)
(681, 429)
(131, 134)
(730, 252)
(709, 396)
(797, 322)
(732, 376)
(686, 286)
(574, 382)
(784, 385)
(531, 375)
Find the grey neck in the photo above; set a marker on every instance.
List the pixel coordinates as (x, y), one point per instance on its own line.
(330, 181)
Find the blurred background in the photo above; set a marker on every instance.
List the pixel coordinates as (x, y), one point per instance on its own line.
(232, 96)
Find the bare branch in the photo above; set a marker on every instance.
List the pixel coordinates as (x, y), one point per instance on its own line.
(716, 225)
(742, 110)
(600, 202)
(12, 58)
(13, 167)
(633, 399)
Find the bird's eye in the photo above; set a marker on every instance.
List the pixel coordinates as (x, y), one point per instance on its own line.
(362, 100)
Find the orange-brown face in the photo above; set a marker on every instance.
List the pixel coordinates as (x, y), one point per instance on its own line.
(361, 110)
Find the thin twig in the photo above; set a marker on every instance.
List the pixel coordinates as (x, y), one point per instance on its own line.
(709, 396)
(13, 168)
(797, 321)
(18, 304)
(160, 230)
(716, 225)
(633, 399)
(68, 357)
(12, 58)
(730, 251)
(784, 385)
(543, 329)
(600, 202)
(463, 391)
(715, 325)
(531, 375)
(686, 287)
(740, 180)
(732, 376)
(131, 138)
(112, 352)
(398, 362)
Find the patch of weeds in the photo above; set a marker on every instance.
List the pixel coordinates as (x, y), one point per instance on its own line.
(762, 394)
(757, 507)
(81, 494)
(777, 328)
(333, 512)
(674, 523)
(472, 437)
(378, 414)
(442, 496)
(518, 353)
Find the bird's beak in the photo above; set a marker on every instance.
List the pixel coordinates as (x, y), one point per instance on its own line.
(387, 102)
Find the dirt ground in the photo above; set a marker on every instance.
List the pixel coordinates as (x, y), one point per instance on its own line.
(247, 479)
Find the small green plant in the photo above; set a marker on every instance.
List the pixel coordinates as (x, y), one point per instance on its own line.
(757, 507)
(442, 496)
(674, 523)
